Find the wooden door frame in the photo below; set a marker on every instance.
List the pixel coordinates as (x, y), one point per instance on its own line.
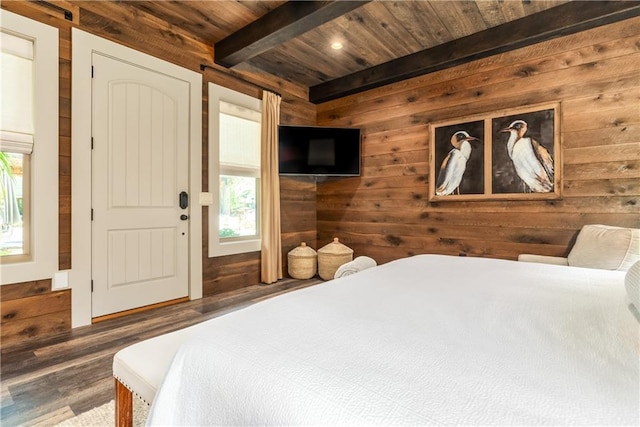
(83, 46)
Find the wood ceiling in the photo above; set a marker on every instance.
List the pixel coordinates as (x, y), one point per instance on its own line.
(384, 41)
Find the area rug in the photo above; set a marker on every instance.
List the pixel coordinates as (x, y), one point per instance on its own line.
(105, 415)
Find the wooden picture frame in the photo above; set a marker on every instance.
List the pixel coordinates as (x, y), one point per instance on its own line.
(510, 154)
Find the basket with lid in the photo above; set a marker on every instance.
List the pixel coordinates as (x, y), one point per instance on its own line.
(302, 262)
(332, 256)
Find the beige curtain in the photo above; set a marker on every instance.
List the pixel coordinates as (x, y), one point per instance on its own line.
(271, 249)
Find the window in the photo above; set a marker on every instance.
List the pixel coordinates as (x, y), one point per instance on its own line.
(234, 165)
(16, 141)
(28, 149)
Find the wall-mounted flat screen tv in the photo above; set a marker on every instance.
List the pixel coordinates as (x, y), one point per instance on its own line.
(315, 150)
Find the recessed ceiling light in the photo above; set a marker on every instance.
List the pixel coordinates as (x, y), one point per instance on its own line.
(336, 45)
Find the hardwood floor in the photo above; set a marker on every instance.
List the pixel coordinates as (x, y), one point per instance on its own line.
(49, 380)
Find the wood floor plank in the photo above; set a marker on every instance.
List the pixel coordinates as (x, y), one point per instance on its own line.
(5, 396)
(53, 418)
(48, 380)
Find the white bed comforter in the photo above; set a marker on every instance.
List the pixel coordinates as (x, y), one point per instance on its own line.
(425, 340)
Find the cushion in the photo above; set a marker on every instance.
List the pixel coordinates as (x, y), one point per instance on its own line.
(606, 247)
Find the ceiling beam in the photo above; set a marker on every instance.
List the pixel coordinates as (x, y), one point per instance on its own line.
(280, 25)
(559, 21)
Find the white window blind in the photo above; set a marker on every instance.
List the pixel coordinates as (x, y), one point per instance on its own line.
(239, 130)
(16, 93)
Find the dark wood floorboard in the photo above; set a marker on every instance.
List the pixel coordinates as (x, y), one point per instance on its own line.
(44, 381)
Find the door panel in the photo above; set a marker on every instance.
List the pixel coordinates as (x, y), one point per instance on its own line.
(141, 255)
(139, 166)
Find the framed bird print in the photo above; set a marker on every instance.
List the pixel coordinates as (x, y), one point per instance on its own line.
(510, 154)
(459, 152)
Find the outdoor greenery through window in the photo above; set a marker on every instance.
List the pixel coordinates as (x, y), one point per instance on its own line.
(237, 206)
(239, 172)
(12, 203)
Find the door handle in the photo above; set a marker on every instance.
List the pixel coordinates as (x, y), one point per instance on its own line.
(184, 200)
(184, 217)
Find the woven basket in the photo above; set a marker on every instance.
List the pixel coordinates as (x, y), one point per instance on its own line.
(302, 262)
(332, 256)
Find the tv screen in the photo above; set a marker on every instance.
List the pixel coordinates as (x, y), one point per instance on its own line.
(314, 150)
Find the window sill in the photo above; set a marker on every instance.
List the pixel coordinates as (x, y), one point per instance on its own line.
(233, 248)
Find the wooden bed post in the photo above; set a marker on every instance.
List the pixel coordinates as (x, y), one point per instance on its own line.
(124, 406)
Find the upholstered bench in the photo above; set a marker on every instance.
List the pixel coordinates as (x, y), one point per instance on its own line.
(140, 368)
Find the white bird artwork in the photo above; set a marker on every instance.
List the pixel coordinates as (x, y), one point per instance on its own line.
(455, 164)
(532, 162)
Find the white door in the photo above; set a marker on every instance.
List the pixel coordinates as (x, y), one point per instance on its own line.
(140, 130)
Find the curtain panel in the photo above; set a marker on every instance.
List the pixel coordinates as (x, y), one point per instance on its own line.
(271, 247)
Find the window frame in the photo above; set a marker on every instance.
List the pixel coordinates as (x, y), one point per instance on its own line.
(43, 227)
(222, 246)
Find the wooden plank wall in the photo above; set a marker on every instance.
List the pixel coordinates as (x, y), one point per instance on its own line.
(385, 213)
(31, 310)
(131, 27)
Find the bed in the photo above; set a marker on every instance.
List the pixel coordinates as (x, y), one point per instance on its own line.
(425, 340)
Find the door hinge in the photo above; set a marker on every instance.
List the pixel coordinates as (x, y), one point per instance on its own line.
(91, 214)
(92, 143)
(92, 71)
(91, 285)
